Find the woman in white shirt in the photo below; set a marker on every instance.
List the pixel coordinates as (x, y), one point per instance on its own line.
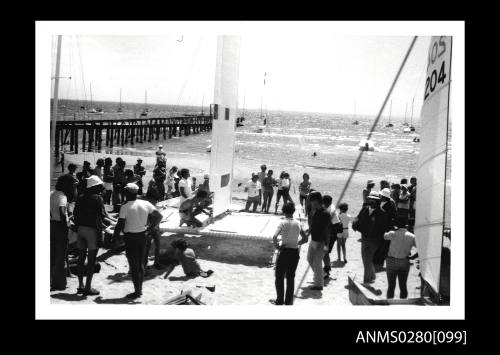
(342, 237)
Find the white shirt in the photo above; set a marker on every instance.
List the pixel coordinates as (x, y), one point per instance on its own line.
(290, 232)
(285, 183)
(186, 184)
(333, 215)
(253, 188)
(57, 199)
(136, 215)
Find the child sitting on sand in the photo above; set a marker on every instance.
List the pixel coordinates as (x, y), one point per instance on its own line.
(187, 258)
(342, 237)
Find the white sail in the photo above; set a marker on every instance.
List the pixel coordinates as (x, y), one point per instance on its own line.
(431, 171)
(224, 123)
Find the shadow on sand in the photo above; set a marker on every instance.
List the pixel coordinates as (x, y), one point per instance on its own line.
(121, 300)
(307, 293)
(181, 278)
(71, 297)
(337, 264)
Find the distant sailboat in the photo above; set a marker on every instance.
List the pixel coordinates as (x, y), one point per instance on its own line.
(406, 129)
(120, 107)
(356, 122)
(241, 118)
(146, 110)
(92, 109)
(390, 111)
(411, 117)
(261, 128)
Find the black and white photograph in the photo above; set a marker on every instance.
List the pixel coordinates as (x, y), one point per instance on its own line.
(317, 166)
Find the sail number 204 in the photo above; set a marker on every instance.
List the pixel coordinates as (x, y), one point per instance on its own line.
(437, 75)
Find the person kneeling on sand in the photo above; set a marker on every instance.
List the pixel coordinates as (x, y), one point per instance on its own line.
(136, 219)
(288, 257)
(193, 206)
(187, 258)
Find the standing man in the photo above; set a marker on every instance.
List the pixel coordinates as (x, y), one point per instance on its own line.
(161, 156)
(254, 190)
(136, 218)
(262, 173)
(160, 176)
(267, 185)
(398, 264)
(372, 222)
(140, 171)
(90, 215)
(319, 229)
(82, 177)
(335, 227)
(288, 257)
(389, 207)
(413, 202)
(108, 178)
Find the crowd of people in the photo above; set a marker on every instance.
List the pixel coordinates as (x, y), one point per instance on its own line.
(385, 222)
(78, 203)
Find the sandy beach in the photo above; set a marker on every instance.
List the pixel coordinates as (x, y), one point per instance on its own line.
(236, 282)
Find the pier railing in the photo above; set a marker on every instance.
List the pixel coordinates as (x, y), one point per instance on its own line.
(92, 134)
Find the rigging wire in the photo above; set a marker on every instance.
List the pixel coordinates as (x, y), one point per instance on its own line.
(372, 129)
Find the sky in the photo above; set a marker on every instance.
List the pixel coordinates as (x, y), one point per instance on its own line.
(320, 73)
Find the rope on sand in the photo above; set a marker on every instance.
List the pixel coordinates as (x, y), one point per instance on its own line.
(372, 129)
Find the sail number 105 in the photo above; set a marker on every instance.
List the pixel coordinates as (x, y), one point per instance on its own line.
(438, 49)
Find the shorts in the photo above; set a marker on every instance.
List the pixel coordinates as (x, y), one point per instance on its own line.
(108, 186)
(343, 235)
(88, 238)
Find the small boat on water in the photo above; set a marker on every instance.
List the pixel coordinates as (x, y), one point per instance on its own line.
(120, 107)
(389, 125)
(355, 122)
(406, 130)
(209, 148)
(367, 145)
(146, 110)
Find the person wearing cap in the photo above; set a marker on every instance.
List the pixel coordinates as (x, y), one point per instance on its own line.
(108, 178)
(369, 186)
(262, 173)
(89, 217)
(140, 171)
(319, 230)
(82, 177)
(161, 156)
(136, 219)
(372, 222)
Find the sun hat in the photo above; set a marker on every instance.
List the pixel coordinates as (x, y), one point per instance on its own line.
(160, 146)
(93, 180)
(370, 182)
(206, 176)
(386, 193)
(374, 195)
(139, 159)
(131, 187)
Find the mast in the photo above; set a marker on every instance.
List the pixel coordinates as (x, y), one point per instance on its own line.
(411, 117)
(202, 98)
(120, 108)
(91, 106)
(406, 109)
(54, 107)
(390, 111)
(243, 114)
(145, 100)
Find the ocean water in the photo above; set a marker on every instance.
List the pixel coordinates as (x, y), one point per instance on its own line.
(288, 141)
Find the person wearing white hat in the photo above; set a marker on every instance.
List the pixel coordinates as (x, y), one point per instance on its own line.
(369, 186)
(372, 222)
(89, 216)
(137, 217)
(388, 206)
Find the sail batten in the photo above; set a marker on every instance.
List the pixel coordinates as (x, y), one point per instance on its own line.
(431, 172)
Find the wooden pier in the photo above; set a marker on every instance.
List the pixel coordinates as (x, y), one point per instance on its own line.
(90, 135)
